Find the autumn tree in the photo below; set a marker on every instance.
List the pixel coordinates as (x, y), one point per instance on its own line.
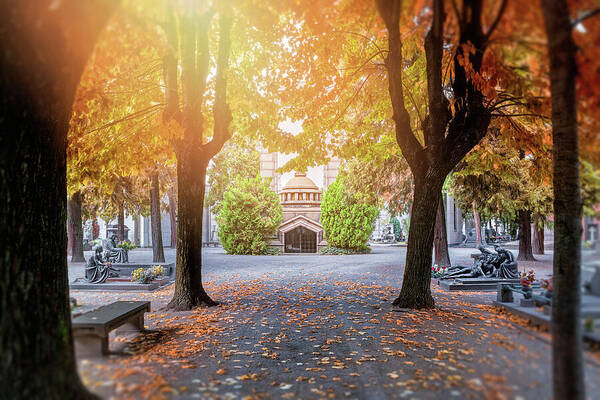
(158, 253)
(43, 47)
(116, 136)
(501, 183)
(451, 129)
(567, 354)
(193, 150)
(74, 227)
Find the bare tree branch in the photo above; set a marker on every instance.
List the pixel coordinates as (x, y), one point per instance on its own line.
(497, 20)
(585, 16)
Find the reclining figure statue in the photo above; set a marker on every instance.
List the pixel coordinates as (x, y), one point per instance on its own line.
(500, 264)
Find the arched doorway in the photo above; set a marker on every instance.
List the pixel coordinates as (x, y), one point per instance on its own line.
(300, 240)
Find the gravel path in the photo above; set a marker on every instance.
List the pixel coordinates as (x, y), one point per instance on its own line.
(312, 327)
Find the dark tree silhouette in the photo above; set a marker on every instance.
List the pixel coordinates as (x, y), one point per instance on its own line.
(44, 48)
(567, 355)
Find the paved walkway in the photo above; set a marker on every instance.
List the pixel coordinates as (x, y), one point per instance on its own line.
(311, 327)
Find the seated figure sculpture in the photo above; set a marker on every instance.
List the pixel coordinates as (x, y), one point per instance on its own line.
(115, 254)
(97, 270)
(500, 264)
(507, 268)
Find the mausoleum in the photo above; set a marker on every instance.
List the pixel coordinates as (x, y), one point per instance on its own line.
(301, 230)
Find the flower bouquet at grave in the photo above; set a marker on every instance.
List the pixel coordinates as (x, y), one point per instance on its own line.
(527, 278)
(547, 284)
(437, 271)
(126, 245)
(142, 275)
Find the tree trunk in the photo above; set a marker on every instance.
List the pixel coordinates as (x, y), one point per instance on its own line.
(189, 291)
(173, 216)
(538, 235)
(478, 239)
(416, 283)
(121, 223)
(192, 155)
(525, 250)
(136, 230)
(440, 237)
(75, 227)
(158, 253)
(70, 232)
(567, 355)
(44, 50)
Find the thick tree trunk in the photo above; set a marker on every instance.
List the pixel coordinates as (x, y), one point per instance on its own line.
(416, 283)
(136, 230)
(479, 240)
(189, 291)
(440, 237)
(567, 356)
(158, 253)
(173, 216)
(121, 223)
(538, 235)
(44, 50)
(525, 250)
(192, 155)
(75, 228)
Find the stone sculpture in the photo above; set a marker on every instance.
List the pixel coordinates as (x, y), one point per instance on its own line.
(97, 269)
(115, 254)
(500, 264)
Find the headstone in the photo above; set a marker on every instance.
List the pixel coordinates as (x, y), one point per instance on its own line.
(593, 286)
(505, 295)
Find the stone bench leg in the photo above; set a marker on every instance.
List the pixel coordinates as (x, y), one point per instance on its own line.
(134, 325)
(90, 345)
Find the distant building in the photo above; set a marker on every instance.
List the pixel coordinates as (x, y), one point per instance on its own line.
(454, 221)
(301, 230)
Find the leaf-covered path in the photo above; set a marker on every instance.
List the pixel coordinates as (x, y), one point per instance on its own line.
(323, 327)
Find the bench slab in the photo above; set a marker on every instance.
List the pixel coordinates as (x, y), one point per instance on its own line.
(91, 329)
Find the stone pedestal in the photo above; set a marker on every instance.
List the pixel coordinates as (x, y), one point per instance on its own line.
(527, 303)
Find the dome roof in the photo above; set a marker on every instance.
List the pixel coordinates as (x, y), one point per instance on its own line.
(300, 181)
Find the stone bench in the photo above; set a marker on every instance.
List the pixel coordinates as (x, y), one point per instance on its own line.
(91, 329)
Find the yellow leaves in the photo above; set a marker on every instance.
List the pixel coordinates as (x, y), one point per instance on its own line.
(272, 356)
(249, 377)
(221, 371)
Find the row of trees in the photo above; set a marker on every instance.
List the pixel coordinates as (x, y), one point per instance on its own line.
(341, 54)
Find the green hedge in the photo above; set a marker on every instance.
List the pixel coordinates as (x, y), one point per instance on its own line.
(347, 220)
(250, 214)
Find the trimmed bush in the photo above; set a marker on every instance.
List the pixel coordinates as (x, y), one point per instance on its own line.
(347, 220)
(250, 214)
(336, 251)
(397, 228)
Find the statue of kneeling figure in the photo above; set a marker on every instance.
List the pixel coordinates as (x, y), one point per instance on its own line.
(115, 254)
(97, 269)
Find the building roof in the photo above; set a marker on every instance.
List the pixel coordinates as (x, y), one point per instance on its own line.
(300, 181)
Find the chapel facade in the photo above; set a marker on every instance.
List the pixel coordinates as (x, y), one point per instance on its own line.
(301, 230)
